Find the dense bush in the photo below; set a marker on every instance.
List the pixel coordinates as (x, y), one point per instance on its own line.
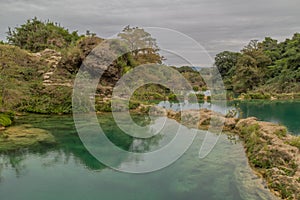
(36, 35)
(6, 119)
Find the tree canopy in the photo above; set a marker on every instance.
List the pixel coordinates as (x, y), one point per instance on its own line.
(142, 48)
(262, 66)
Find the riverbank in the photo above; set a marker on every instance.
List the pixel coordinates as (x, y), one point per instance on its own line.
(267, 96)
(272, 152)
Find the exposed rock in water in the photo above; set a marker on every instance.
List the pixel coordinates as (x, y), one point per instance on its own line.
(272, 152)
(24, 136)
(269, 152)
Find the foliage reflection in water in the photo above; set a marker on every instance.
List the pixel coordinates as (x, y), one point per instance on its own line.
(68, 171)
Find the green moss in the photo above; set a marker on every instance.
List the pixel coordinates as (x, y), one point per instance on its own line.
(196, 88)
(5, 120)
(145, 109)
(24, 136)
(176, 97)
(256, 95)
(200, 97)
(285, 192)
(281, 133)
(247, 130)
(254, 145)
(295, 141)
(103, 106)
(133, 105)
(287, 171)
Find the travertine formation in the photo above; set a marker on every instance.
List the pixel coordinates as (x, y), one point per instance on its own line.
(272, 152)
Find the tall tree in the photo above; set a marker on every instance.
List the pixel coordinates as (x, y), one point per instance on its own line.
(247, 74)
(226, 61)
(142, 45)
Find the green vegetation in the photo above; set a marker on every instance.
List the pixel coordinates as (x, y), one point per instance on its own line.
(105, 106)
(295, 142)
(262, 67)
(21, 84)
(5, 120)
(142, 49)
(42, 82)
(281, 132)
(255, 95)
(36, 35)
(269, 152)
(250, 135)
(24, 136)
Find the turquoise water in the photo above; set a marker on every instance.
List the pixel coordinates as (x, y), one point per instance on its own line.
(282, 112)
(286, 113)
(67, 171)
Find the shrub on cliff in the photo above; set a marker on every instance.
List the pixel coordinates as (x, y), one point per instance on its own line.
(6, 119)
(36, 35)
(73, 56)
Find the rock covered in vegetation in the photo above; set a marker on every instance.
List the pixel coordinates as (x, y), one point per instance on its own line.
(22, 83)
(6, 119)
(270, 152)
(24, 136)
(73, 57)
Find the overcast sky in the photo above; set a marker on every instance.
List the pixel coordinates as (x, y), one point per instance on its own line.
(217, 25)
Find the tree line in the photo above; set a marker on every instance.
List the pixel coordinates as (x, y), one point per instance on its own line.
(266, 66)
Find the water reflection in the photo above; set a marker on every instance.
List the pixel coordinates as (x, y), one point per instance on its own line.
(70, 146)
(69, 171)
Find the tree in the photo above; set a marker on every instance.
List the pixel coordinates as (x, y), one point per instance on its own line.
(247, 75)
(226, 61)
(292, 53)
(143, 48)
(271, 48)
(137, 39)
(36, 35)
(263, 66)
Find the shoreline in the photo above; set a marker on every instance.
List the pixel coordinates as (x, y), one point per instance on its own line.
(269, 147)
(271, 151)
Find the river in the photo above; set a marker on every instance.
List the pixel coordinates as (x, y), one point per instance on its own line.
(69, 172)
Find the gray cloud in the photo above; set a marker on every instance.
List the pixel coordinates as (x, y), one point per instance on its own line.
(216, 24)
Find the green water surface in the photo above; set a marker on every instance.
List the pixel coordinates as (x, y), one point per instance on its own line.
(286, 113)
(69, 172)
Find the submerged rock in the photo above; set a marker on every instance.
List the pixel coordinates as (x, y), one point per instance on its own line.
(272, 152)
(24, 136)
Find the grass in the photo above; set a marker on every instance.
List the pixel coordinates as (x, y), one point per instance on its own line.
(281, 133)
(295, 141)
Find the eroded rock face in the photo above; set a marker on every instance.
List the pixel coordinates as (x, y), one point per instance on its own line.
(73, 59)
(88, 44)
